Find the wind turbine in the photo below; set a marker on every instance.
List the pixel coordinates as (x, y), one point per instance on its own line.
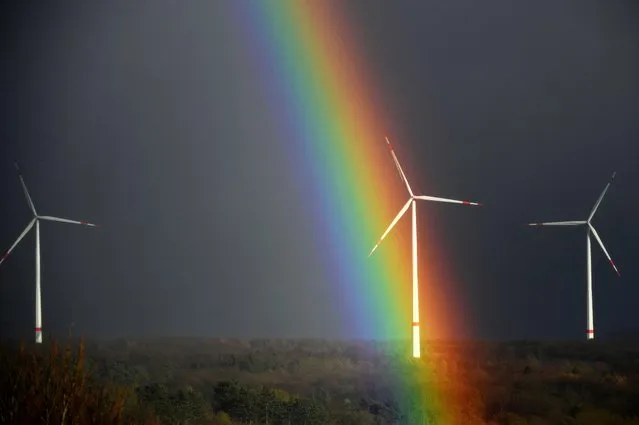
(412, 202)
(590, 332)
(36, 221)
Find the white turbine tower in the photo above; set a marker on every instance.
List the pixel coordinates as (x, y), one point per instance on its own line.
(590, 331)
(412, 202)
(36, 220)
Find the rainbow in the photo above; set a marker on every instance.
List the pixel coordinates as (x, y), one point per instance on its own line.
(329, 110)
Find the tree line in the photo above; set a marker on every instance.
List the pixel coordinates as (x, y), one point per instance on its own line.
(229, 382)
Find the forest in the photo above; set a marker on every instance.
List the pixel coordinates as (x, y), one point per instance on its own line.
(224, 381)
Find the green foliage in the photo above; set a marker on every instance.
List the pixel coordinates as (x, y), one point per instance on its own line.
(265, 405)
(182, 406)
(57, 389)
(226, 382)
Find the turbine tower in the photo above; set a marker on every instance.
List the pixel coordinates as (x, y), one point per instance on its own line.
(590, 331)
(412, 203)
(36, 221)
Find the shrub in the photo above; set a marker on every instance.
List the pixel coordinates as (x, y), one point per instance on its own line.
(56, 388)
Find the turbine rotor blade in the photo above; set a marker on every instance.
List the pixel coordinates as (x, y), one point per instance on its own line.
(560, 223)
(24, 189)
(453, 201)
(393, 223)
(594, 209)
(66, 220)
(399, 167)
(603, 248)
(24, 232)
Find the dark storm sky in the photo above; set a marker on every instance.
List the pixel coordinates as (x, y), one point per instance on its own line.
(145, 118)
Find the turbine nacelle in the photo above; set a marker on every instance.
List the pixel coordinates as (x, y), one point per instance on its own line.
(590, 331)
(412, 198)
(588, 224)
(36, 221)
(412, 201)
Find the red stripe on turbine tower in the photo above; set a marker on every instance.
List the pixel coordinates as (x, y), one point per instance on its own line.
(412, 201)
(590, 332)
(36, 220)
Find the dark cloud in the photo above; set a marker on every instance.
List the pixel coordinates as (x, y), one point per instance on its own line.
(147, 118)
